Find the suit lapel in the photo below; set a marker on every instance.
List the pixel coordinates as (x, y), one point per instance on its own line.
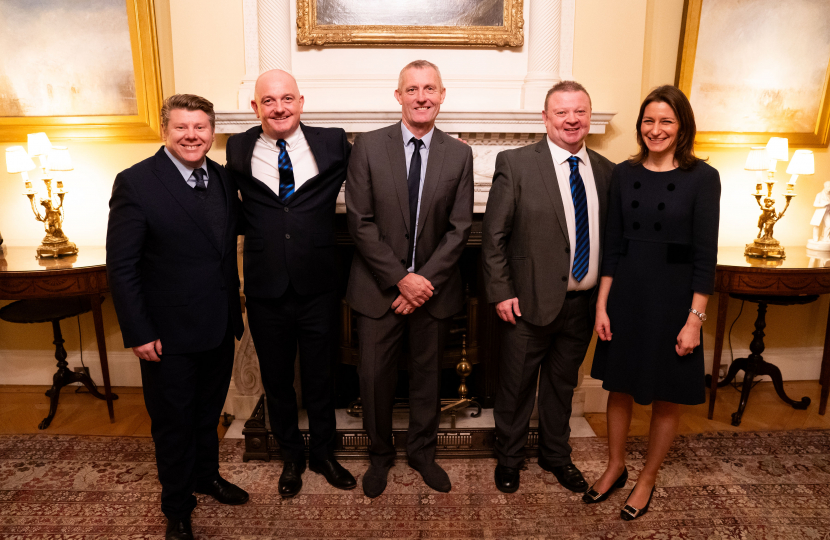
(397, 162)
(544, 160)
(229, 198)
(172, 180)
(432, 176)
(601, 179)
(251, 138)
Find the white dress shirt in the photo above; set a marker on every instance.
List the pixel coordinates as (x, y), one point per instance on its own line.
(265, 160)
(563, 175)
(409, 150)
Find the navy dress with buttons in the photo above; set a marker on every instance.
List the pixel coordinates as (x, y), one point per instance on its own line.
(661, 245)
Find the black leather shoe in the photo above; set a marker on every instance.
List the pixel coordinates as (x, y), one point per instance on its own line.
(374, 481)
(507, 479)
(335, 474)
(291, 479)
(567, 475)
(434, 476)
(593, 496)
(224, 492)
(178, 529)
(629, 513)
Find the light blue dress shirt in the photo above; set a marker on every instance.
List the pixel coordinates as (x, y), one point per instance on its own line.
(409, 149)
(187, 172)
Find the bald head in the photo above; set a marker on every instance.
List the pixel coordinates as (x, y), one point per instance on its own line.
(277, 103)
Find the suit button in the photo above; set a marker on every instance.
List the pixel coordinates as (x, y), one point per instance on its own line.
(403, 261)
(285, 208)
(406, 235)
(567, 250)
(564, 278)
(287, 236)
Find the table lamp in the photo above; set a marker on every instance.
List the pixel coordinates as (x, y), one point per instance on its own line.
(777, 150)
(764, 245)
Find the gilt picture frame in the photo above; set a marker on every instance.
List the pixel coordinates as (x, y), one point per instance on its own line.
(753, 70)
(71, 99)
(466, 23)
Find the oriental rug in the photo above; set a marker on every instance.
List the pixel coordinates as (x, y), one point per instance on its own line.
(759, 486)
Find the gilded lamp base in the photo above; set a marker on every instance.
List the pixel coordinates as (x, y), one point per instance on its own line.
(766, 248)
(56, 246)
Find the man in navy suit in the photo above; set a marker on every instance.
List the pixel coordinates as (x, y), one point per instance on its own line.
(289, 176)
(171, 265)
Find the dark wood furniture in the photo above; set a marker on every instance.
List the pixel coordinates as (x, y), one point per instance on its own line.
(794, 280)
(22, 275)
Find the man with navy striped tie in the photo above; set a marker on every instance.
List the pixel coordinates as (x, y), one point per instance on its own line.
(541, 247)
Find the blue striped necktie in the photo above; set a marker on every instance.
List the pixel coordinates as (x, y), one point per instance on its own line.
(286, 172)
(582, 254)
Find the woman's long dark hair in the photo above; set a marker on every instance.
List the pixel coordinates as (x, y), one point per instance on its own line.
(684, 153)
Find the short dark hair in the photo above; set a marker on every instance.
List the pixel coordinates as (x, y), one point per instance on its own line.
(419, 64)
(566, 86)
(684, 153)
(190, 102)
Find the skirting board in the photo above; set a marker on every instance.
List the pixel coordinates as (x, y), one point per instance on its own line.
(795, 363)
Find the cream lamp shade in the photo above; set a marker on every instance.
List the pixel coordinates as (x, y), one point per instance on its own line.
(39, 144)
(777, 150)
(757, 160)
(59, 159)
(18, 161)
(802, 163)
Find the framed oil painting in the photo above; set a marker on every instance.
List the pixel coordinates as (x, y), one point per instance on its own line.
(480, 23)
(79, 69)
(756, 69)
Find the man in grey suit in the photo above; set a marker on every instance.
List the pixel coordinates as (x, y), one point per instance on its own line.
(541, 244)
(409, 201)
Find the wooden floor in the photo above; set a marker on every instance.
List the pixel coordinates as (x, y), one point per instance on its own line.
(23, 407)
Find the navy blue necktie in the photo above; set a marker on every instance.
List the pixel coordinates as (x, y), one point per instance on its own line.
(286, 172)
(200, 179)
(414, 182)
(582, 254)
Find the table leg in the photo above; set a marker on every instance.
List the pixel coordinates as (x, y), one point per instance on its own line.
(95, 300)
(723, 305)
(824, 378)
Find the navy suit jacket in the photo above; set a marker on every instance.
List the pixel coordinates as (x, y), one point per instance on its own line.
(294, 241)
(170, 278)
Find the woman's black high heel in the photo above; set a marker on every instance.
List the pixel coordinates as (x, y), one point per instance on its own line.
(629, 513)
(592, 496)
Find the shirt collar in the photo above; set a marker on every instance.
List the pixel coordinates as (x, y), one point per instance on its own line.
(291, 141)
(427, 139)
(185, 171)
(560, 155)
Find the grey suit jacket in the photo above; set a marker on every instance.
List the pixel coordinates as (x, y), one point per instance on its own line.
(525, 247)
(377, 206)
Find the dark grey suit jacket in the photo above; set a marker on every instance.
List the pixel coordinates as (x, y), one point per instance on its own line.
(377, 205)
(525, 247)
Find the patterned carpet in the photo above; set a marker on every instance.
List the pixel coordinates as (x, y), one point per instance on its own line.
(745, 486)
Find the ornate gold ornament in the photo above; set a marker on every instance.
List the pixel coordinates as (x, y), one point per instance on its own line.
(310, 33)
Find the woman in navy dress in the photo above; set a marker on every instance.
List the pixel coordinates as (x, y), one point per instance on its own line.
(658, 270)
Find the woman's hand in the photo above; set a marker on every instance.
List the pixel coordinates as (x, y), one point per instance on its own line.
(689, 336)
(602, 326)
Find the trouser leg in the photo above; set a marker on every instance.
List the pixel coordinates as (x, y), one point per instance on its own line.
(274, 331)
(380, 346)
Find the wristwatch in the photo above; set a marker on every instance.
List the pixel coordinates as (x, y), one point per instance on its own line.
(701, 316)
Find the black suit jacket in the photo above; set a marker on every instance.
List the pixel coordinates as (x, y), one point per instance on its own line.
(377, 211)
(291, 242)
(525, 248)
(170, 278)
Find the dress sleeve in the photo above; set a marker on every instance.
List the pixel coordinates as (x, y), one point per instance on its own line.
(613, 239)
(705, 221)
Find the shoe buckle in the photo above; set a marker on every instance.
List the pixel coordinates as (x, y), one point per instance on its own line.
(631, 511)
(593, 494)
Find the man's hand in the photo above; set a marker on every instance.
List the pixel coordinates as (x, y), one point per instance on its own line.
(507, 308)
(402, 306)
(149, 351)
(416, 289)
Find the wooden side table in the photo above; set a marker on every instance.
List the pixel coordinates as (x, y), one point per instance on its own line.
(800, 274)
(22, 275)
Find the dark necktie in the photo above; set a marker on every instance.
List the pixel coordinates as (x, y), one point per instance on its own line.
(200, 179)
(414, 182)
(582, 254)
(286, 172)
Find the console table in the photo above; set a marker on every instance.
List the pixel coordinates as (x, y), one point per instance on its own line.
(800, 274)
(22, 275)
